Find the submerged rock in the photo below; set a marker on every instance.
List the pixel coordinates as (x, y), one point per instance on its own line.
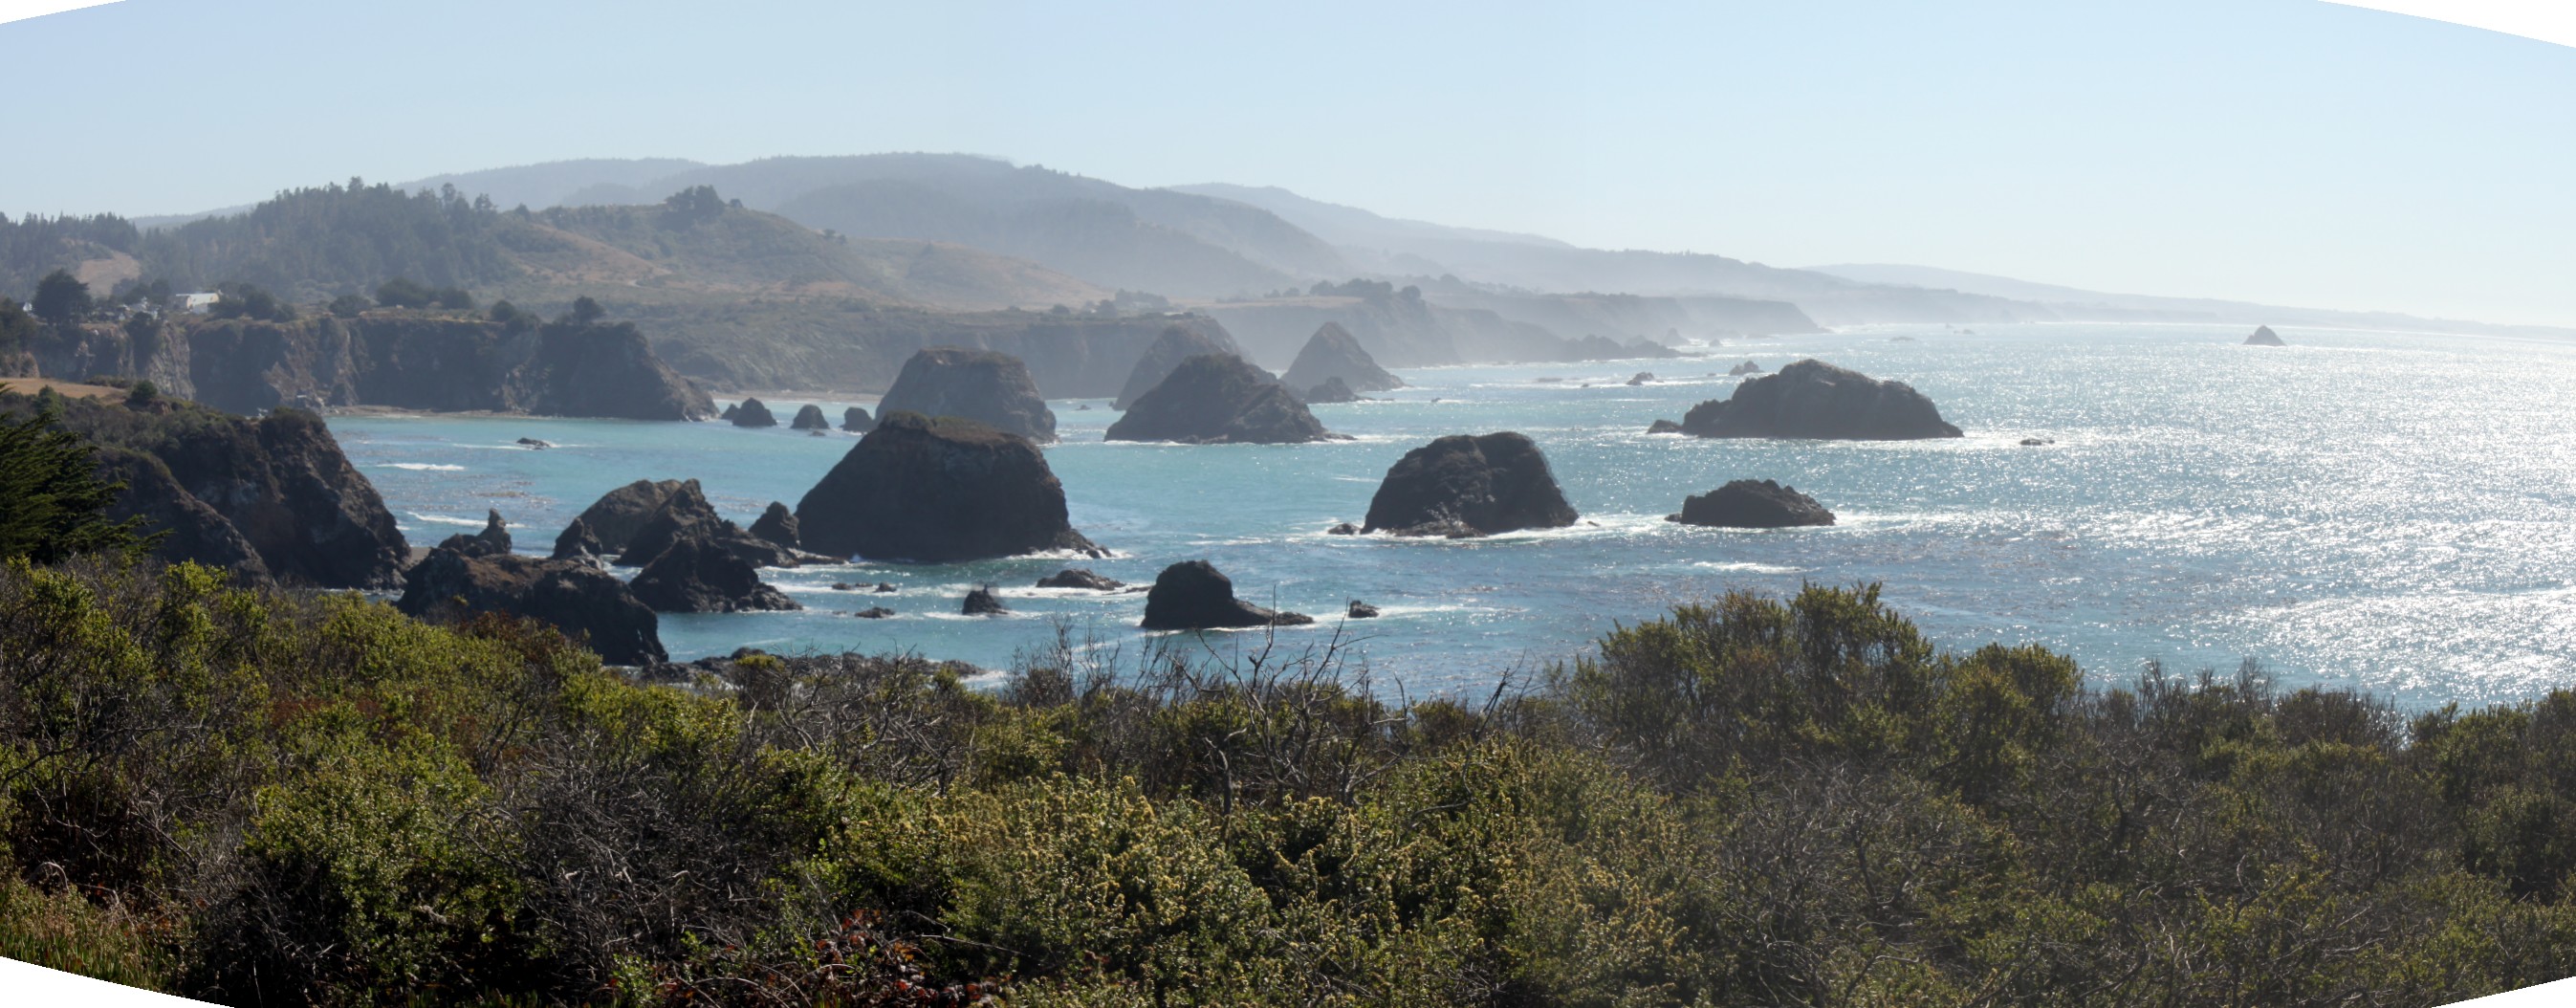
(874, 612)
(857, 421)
(751, 413)
(938, 491)
(533, 444)
(1813, 399)
(1174, 345)
(992, 389)
(1473, 484)
(1218, 399)
(1753, 504)
(1663, 427)
(982, 602)
(698, 574)
(810, 418)
(2264, 336)
(1075, 577)
(588, 604)
(1344, 528)
(1192, 595)
(1334, 353)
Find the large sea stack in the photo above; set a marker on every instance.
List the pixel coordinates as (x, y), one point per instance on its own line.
(609, 523)
(1176, 344)
(751, 413)
(1753, 504)
(1218, 399)
(2264, 336)
(1334, 353)
(938, 491)
(1464, 485)
(992, 389)
(1813, 399)
(586, 603)
(1193, 595)
(809, 417)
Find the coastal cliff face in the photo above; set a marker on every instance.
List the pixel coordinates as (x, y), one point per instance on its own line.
(228, 488)
(405, 360)
(862, 348)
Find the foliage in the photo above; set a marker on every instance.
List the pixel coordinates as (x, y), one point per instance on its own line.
(244, 300)
(401, 293)
(52, 503)
(61, 299)
(35, 245)
(250, 796)
(312, 243)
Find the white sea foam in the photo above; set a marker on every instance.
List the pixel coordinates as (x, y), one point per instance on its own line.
(424, 467)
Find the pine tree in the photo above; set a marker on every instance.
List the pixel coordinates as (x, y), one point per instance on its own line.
(53, 506)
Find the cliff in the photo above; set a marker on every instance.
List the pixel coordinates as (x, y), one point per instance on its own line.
(859, 347)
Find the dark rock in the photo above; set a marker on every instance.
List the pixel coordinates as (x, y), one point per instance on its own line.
(938, 491)
(815, 433)
(730, 412)
(1753, 504)
(1332, 391)
(1344, 528)
(611, 522)
(492, 541)
(1475, 484)
(1334, 353)
(873, 612)
(752, 413)
(1218, 399)
(2033, 442)
(2264, 336)
(809, 418)
(1075, 577)
(1192, 595)
(588, 604)
(1362, 610)
(844, 586)
(1641, 378)
(578, 542)
(989, 388)
(190, 531)
(1746, 368)
(885, 588)
(1174, 345)
(1663, 427)
(698, 574)
(981, 602)
(1813, 399)
(776, 524)
(685, 514)
(857, 421)
(535, 444)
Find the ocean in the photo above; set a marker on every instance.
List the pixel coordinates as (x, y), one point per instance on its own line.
(2392, 512)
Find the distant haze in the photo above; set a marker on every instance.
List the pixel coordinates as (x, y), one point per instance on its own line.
(2280, 151)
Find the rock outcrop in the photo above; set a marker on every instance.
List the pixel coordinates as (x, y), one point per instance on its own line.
(1753, 504)
(752, 413)
(1218, 399)
(777, 525)
(1076, 577)
(1663, 427)
(699, 574)
(684, 515)
(190, 531)
(1813, 399)
(494, 540)
(1470, 484)
(2264, 336)
(938, 491)
(809, 417)
(1360, 610)
(588, 604)
(279, 482)
(1331, 391)
(609, 523)
(982, 602)
(989, 388)
(1176, 344)
(1746, 368)
(1334, 353)
(1641, 378)
(857, 421)
(1193, 595)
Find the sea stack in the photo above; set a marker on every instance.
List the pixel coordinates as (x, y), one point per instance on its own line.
(751, 413)
(1813, 399)
(1753, 504)
(1331, 391)
(938, 491)
(992, 389)
(1176, 344)
(604, 528)
(1469, 485)
(1334, 353)
(2264, 336)
(857, 421)
(1192, 595)
(1218, 399)
(809, 418)
(1746, 368)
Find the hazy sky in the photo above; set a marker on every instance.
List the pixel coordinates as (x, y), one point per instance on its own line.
(2288, 151)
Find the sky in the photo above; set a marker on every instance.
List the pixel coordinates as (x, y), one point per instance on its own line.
(2284, 151)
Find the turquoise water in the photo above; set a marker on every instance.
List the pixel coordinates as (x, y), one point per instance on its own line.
(2395, 512)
